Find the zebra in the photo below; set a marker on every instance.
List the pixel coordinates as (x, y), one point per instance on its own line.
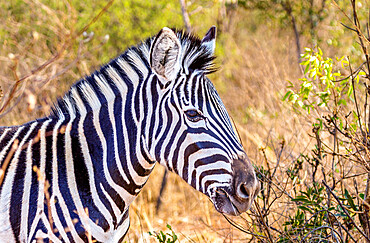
(72, 175)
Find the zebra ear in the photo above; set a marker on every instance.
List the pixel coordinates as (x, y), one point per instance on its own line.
(209, 40)
(165, 54)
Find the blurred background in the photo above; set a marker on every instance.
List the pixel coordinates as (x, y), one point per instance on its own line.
(47, 45)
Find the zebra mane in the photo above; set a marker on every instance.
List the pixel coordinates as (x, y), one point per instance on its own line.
(92, 88)
(195, 56)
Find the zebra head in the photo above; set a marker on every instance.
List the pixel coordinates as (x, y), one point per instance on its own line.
(194, 135)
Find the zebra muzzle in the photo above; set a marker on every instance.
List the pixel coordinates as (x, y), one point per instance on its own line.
(239, 196)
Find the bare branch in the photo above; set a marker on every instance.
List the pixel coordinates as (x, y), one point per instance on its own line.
(185, 16)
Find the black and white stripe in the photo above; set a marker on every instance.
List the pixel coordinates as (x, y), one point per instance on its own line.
(152, 104)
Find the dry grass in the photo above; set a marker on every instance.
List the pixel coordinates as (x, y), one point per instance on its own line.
(41, 60)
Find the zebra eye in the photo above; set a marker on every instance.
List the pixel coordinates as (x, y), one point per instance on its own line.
(193, 115)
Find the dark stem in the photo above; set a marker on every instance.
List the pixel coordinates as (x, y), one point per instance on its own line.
(163, 186)
(288, 9)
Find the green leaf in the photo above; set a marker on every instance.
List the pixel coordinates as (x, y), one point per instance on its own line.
(320, 51)
(301, 199)
(290, 84)
(350, 200)
(306, 69)
(288, 94)
(342, 102)
(362, 73)
(304, 208)
(350, 91)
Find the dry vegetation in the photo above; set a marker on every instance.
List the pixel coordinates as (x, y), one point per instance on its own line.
(52, 52)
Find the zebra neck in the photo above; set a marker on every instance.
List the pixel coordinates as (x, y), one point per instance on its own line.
(104, 115)
(110, 136)
(103, 150)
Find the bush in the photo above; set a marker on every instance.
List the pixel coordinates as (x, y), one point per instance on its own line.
(332, 205)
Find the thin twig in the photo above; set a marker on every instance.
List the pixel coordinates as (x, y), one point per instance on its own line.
(239, 227)
(185, 16)
(263, 222)
(7, 160)
(345, 211)
(318, 228)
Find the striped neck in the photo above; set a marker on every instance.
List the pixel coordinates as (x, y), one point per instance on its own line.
(106, 111)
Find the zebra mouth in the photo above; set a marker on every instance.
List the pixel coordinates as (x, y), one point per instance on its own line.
(225, 203)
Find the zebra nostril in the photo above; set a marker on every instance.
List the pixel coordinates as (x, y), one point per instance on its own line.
(243, 191)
